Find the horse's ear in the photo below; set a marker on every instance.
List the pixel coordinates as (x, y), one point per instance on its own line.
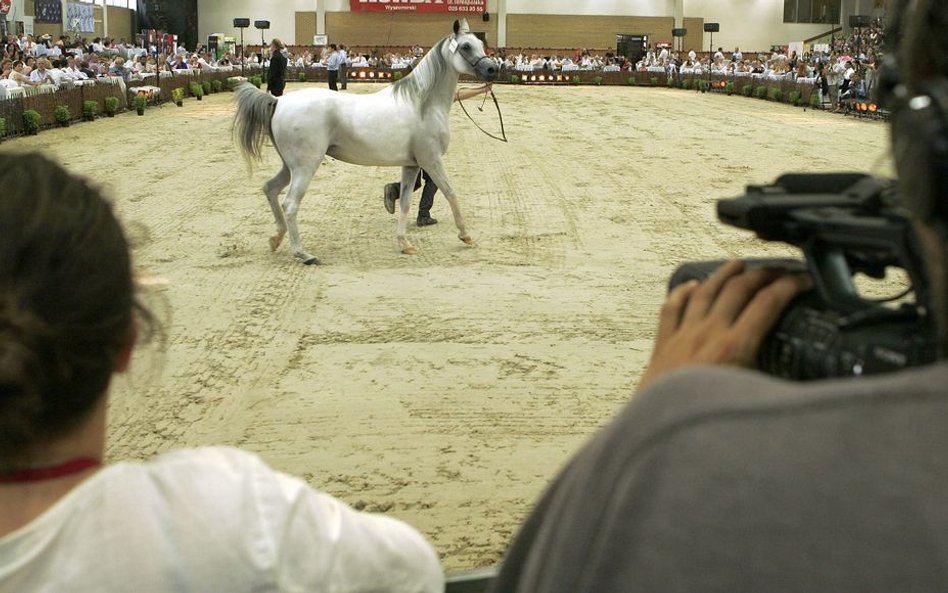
(457, 27)
(465, 28)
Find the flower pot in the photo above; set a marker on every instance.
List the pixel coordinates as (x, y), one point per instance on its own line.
(179, 103)
(140, 111)
(199, 97)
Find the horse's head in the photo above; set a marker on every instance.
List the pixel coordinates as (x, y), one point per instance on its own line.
(466, 53)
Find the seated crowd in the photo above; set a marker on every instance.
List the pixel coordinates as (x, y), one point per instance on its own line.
(847, 72)
(28, 62)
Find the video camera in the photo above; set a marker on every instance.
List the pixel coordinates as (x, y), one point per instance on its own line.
(845, 223)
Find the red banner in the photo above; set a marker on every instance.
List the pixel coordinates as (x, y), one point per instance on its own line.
(448, 6)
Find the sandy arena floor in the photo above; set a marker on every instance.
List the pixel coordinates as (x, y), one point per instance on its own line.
(445, 388)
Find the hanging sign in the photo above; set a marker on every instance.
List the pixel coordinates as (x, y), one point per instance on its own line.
(448, 6)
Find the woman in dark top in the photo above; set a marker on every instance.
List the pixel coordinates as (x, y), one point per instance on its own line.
(276, 73)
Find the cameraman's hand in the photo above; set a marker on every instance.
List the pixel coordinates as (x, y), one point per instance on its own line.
(721, 321)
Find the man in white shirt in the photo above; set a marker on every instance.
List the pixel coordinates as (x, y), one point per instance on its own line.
(332, 66)
(41, 74)
(663, 57)
(692, 56)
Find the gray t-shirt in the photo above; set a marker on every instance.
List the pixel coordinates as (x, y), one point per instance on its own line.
(726, 480)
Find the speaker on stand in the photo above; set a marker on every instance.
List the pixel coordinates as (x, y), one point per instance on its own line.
(679, 34)
(241, 24)
(262, 26)
(711, 28)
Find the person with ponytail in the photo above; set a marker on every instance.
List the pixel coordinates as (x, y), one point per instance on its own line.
(209, 519)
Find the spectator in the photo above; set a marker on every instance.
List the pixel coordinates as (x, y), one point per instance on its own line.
(118, 69)
(42, 75)
(209, 519)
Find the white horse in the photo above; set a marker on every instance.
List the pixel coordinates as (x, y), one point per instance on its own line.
(405, 124)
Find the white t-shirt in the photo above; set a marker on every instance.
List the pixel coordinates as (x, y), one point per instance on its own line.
(213, 519)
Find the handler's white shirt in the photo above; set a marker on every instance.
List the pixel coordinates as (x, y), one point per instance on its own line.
(213, 519)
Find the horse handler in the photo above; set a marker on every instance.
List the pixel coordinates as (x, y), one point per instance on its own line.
(393, 190)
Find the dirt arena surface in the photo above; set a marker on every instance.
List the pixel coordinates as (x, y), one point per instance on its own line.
(444, 388)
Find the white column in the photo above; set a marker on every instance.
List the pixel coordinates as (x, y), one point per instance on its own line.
(320, 18)
(679, 14)
(65, 16)
(105, 20)
(501, 16)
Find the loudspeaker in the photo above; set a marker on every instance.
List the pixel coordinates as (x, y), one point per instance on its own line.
(860, 20)
(712, 27)
(261, 24)
(241, 23)
(486, 16)
(679, 32)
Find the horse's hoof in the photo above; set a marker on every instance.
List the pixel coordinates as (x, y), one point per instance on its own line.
(409, 251)
(467, 240)
(275, 243)
(309, 260)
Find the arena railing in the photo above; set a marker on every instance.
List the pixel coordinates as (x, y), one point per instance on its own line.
(74, 96)
(777, 89)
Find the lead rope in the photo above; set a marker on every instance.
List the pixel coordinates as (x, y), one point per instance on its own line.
(503, 133)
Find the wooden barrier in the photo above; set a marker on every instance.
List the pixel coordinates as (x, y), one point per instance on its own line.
(74, 97)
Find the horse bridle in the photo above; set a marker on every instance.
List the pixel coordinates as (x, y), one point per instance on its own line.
(503, 133)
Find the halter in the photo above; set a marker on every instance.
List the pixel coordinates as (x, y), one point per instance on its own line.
(503, 133)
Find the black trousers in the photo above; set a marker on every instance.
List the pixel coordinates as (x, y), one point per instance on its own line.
(427, 195)
(276, 89)
(333, 78)
(342, 76)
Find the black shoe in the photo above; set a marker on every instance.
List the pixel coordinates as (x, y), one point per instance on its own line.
(426, 221)
(391, 195)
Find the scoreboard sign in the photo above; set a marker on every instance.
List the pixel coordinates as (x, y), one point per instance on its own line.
(447, 6)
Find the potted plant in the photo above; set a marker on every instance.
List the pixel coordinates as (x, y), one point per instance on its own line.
(576, 79)
(31, 121)
(747, 90)
(111, 106)
(761, 92)
(140, 101)
(206, 85)
(514, 79)
(197, 90)
(653, 81)
(597, 81)
(62, 116)
(217, 86)
(177, 95)
(815, 101)
(631, 81)
(301, 76)
(89, 109)
(3, 127)
(795, 98)
(729, 88)
(398, 75)
(256, 81)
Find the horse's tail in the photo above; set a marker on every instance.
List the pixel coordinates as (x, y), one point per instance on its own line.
(252, 120)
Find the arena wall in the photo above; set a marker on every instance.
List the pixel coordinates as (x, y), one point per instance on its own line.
(750, 24)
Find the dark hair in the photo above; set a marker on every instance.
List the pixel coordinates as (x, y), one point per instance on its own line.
(66, 302)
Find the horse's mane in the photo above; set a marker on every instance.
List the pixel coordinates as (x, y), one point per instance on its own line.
(418, 86)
